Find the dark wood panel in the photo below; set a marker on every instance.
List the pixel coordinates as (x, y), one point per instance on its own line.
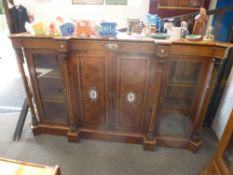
(170, 12)
(132, 74)
(92, 77)
(103, 46)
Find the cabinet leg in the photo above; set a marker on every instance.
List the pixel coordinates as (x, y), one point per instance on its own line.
(150, 135)
(194, 145)
(73, 136)
(73, 127)
(34, 121)
(196, 136)
(35, 130)
(149, 144)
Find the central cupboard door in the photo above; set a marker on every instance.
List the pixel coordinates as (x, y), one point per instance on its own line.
(92, 85)
(131, 77)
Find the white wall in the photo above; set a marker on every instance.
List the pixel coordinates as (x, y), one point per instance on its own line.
(212, 6)
(224, 110)
(118, 13)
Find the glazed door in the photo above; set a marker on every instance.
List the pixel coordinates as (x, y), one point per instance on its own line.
(227, 156)
(222, 163)
(131, 82)
(47, 82)
(181, 96)
(224, 155)
(91, 81)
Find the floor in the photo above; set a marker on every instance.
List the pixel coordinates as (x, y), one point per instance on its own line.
(100, 157)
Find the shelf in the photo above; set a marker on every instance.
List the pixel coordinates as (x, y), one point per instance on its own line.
(54, 75)
(177, 105)
(178, 84)
(51, 76)
(182, 81)
(54, 99)
(50, 100)
(47, 73)
(184, 111)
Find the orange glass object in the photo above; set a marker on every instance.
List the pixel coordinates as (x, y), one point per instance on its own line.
(153, 29)
(85, 28)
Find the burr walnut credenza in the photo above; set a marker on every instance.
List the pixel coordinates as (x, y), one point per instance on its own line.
(128, 90)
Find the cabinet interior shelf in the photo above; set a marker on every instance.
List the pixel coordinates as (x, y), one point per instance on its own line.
(177, 105)
(185, 111)
(179, 84)
(53, 100)
(49, 74)
(182, 80)
(54, 76)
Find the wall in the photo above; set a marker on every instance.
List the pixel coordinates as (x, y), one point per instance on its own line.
(226, 22)
(226, 104)
(117, 13)
(3, 25)
(224, 108)
(211, 7)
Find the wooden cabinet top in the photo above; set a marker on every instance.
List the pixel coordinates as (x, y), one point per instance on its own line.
(160, 47)
(12, 167)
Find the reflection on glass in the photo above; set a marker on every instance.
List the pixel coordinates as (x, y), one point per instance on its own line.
(228, 154)
(179, 98)
(179, 93)
(184, 72)
(50, 87)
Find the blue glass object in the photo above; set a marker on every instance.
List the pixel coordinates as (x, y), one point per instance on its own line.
(158, 26)
(152, 19)
(108, 29)
(67, 29)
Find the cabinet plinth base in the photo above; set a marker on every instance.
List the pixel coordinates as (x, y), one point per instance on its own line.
(184, 143)
(35, 130)
(73, 136)
(49, 129)
(149, 144)
(118, 136)
(194, 145)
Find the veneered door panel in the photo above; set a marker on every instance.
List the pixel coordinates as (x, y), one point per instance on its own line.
(132, 78)
(92, 79)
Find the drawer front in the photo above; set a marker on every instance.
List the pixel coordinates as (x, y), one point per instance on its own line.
(113, 46)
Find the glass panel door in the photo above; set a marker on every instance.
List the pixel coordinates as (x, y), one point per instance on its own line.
(177, 97)
(50, 87)
(228, 154)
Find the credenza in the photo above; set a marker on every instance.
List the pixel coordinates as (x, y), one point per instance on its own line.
(128, 90)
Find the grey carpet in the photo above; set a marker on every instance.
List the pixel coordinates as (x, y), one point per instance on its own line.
(99, 157)
(13, 90)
